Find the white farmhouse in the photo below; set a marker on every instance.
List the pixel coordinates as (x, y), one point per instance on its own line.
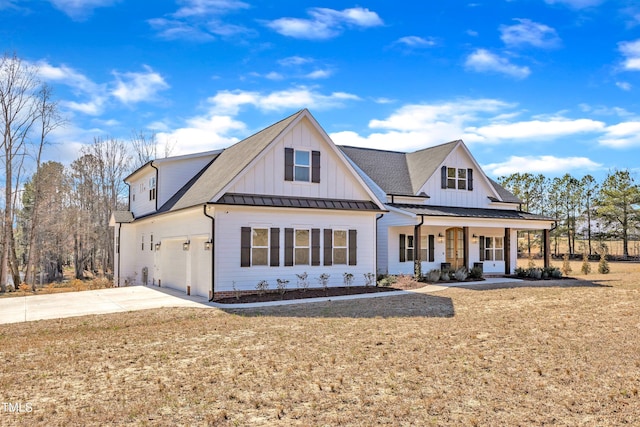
(282, 202)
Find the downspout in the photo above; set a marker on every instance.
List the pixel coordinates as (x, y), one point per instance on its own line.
(128, 198)
(417, 262)
(119, 249)
(157, 186)
(375, 242)
(213, 251)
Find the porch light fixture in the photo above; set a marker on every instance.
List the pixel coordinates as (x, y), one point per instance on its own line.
(474, 238)
(440, 238)
(185, 245)
(207, 245)
(158, 246)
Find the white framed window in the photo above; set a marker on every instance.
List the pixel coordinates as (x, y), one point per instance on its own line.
(259, 246)
(424, 248)
(410, 247)
(152, 188)
(451, 178)
(462, 179)
(340, 247)
(302, 166)
(494, 248)
(302, 246)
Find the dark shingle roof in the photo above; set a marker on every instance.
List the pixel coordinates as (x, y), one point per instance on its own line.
(468, 212)
(296, 202)
(504, 194)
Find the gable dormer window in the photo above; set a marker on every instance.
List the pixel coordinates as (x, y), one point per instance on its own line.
(457, 178)
(301, 165)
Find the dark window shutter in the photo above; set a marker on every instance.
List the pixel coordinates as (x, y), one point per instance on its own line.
(432, 247)
(328, 246)
(245, 247)
(481, 248)
(288, 164)
(315, 166)
(274, 251)
(403, 248)
(315, 246)
(288, 247)
(353, 247)
(470, 179)
(443, 177)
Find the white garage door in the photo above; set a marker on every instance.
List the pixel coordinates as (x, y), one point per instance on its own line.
(173, 265)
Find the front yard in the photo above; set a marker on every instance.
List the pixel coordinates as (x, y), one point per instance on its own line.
(566, 353)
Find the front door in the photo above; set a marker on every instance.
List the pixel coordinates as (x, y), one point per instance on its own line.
(455, 247)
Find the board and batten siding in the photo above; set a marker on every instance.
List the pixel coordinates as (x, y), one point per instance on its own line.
(229, 223)
(476, 198)
(139, 190)
(174, 174)
(267, 174)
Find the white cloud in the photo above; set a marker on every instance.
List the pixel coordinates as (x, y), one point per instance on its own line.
(534, 129)
(540, 164)
(416, 42)
(80, 10)
(631, 51)
(576, 4)
(202, 133)
(230, 102)
(294, 61)
(622, 135)
(136, 87)
(325, 23)
(318, 74)
(624, 85)
(529, 32)
(481, 60)
(199, 20)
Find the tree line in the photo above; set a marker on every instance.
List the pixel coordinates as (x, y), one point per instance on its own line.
(586, 212)
(56, 215)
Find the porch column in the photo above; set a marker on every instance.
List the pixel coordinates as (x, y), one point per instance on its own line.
(546, 248)
(507, 251)
(417, 267)
(465, 236)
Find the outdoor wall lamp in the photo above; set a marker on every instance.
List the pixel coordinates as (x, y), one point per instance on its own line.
(158, 246)
(474, 238)
(440, 238)
(207, 245)
(185, 245)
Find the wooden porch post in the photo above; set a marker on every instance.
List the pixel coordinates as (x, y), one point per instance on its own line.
(417, 267)
(465, 236)
(507, 251)
(547, 248)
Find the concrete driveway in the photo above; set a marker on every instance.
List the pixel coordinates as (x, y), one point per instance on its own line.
(102, 301)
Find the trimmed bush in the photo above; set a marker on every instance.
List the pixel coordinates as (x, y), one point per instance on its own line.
(461, 274)
(432, 276)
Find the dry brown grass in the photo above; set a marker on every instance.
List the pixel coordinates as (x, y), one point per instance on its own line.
(564, 354)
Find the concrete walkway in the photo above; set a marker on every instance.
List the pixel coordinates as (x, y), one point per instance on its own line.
(115, 300)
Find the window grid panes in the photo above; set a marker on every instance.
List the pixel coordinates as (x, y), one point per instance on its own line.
(410, 248)
(340, 247)
(457, 178)
(494, 249)
(259, 246)
(301, 247)
(302, 166)
(462, 179)
(424, 245)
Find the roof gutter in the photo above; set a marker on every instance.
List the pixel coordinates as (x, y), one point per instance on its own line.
(213, 250)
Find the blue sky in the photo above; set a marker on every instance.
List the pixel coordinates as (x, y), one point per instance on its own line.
(541, 86)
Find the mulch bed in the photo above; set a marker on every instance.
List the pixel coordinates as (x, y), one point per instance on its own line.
(309, 293)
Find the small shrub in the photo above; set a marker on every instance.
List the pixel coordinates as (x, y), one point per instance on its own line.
(262, 287)
(368, 279)
(282, 285)
(566, 266)
(555, 273)
(236, 292)
(78, 285)
(347, 279)
(586, 267)
(461, 274)
(303, 281)
(522, 272)
(603, 265)
(324, 280)
(386, 281)
(433, 276)
(535, 273)
(476, 273)
(445, 275)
